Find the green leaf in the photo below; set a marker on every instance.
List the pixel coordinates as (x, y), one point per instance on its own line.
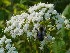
(7, 2)
(63, 31)
(58, 46)
(66, 11)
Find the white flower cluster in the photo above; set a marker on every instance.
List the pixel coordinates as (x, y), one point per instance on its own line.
(6, 46)
(29, 22)
(67, 24)
(47, 39)
(15, 25)
(39, 6)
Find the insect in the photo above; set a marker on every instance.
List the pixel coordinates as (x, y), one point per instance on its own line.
(41, 33)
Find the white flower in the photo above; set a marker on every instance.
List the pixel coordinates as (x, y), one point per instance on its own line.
(20, 32)
(68, 25)
(29, 34)
(1, 42)
(61, 20)
(54, 12)
(26, 27)
(50, 10)
(59, 26)
(29, 18)
(34, 30)
(36, 25)
(6, 29)
(8, 23)
(2, 50)
(3, 39)
(41, 13)
(63, 16)
(39, 19)
(31, 10)
(41, 48)
(8, 46)
(53, 38)
(47, 16)
(43, 43)
(8, 41)
(33, 19)
(43, 10)
(38, 6)
(12, 50)
(66, 21)
(49, 5)
(41, 5)
(49, 25)
(16, 30)
(49, 38)
(35, 35)
(13, 35)
(24, 15)
(5, 45)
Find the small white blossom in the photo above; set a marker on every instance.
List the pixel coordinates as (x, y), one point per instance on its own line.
(59, 26)
(3, 39)
(47, 16)
(66, 21)
(41, 48)
(8, 46)
(68, 26)
(29, 34)
(2, 50)
(54, 12)
(26, 27)
(8, 41)
(12, 50)
(36, 25)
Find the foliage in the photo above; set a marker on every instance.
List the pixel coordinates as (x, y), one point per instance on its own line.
(66, 11)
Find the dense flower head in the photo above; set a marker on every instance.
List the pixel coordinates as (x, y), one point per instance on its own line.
(40, 14)
(14, 26)
(27, 22)
(6, 46)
